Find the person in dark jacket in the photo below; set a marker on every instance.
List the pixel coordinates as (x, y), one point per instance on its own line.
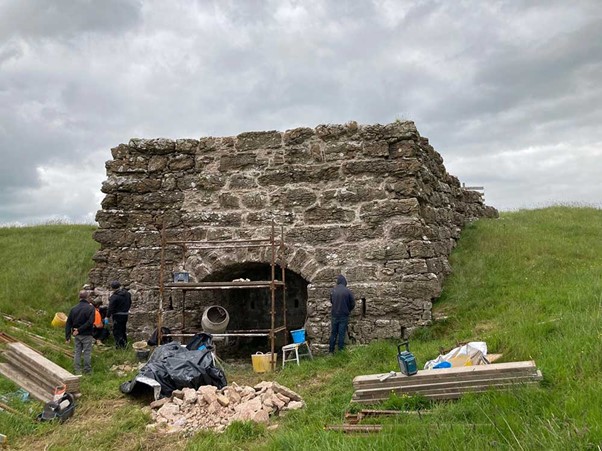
(79, 326)
(343, 302)
(119, 309)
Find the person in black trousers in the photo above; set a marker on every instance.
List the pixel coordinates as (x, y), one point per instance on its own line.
(79, 326)
(119, 308)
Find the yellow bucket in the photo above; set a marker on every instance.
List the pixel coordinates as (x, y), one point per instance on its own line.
(59, 320)
(262, 363)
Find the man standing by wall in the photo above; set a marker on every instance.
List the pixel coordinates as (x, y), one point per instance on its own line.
(343, 302)
(119, 308)
(79, 325)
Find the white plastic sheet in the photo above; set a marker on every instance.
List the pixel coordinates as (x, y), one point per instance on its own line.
(470, 349)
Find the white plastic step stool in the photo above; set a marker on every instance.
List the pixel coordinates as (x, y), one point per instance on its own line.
(294, 347)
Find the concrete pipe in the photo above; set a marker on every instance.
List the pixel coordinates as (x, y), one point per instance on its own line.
(215, 319)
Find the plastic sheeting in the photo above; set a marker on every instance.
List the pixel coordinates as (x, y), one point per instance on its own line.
(173, 367)
(475, 350)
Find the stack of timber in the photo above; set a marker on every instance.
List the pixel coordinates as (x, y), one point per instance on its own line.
(448, 383)
(35, 373)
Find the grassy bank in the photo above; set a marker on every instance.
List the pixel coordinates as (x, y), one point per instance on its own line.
(529, 284)
(42, 268)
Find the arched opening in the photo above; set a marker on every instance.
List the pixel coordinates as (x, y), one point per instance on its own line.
(250, 309)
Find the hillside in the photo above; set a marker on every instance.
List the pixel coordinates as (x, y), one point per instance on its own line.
(529, 284)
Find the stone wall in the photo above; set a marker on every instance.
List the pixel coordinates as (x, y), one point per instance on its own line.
(372, 202)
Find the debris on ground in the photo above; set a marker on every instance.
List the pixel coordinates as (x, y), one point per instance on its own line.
(209, 408)
(468, 354)
(126, 368)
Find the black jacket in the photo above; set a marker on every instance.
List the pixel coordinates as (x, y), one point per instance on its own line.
(81, 317)
(341, 298)
(119, 303)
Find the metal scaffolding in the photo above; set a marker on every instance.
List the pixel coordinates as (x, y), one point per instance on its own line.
(276, 250)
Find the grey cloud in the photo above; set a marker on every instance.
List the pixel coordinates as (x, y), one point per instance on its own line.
(482, 80)
(33, 19)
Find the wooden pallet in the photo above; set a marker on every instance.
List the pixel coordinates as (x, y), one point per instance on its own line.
(449, 383)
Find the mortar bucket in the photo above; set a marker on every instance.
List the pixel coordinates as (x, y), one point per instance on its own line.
(139, 345)
(59, 320)
(262, 362)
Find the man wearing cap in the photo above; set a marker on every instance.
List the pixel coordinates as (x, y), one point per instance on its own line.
(79, 326)
(119, 308)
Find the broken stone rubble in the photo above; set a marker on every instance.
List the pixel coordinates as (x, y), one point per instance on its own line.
(189, 410)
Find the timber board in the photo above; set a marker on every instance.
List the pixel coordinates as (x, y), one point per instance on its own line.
(48, 365)
(445, 396)
(37, 372)
(451, 372)
(430, 392)
(22, 381)
(409, 381)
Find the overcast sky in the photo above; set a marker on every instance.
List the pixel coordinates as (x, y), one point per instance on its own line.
(508, 92)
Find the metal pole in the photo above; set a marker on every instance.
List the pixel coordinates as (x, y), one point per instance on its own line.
(183, 310)
(161, 288)
(273, 292)
(283, 269)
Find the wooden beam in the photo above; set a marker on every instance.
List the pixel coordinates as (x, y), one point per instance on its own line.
(443, 394)
(22, 381)
(466, 378)
(350, 428)
(450, 372)
(36, 358)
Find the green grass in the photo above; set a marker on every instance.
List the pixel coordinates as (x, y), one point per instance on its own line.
(529, 284)
(42, 269)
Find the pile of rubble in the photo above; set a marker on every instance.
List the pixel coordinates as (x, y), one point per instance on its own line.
(209, 408)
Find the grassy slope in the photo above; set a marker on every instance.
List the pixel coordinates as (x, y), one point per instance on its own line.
(529, 284)
(41, 269)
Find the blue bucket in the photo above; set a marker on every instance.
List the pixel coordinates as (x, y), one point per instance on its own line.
(298, 335)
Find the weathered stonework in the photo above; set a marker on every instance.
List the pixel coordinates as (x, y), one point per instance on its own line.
(372, 202)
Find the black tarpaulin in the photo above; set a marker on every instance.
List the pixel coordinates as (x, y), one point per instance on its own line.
(175, 367)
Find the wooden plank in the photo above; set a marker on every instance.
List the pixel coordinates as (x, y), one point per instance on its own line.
(450, 372)
(442, 394)
(26, 366)
(40, 380)
(42, 361)
(439, 396)
(349, 428)
(458, 385)
(465, 378)
(41, 341)
(379, 412)
(493, 357)
(34, 368)
(22, 381)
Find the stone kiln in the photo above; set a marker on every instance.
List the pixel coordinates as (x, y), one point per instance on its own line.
(372, 202)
